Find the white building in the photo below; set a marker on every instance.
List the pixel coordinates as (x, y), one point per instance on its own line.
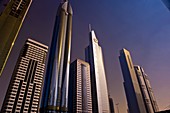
(24, 91)
(94, 57)
(146, 89)
(80, 100)
(131, 84)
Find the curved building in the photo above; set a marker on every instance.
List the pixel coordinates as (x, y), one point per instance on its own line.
(55, 92)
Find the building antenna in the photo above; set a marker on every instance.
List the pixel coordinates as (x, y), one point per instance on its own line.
(90, 28)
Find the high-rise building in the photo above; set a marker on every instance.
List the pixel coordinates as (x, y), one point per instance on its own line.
(11, 20)
(24, 91)
(55, 93)
(80, 87)
(147, 92)
(131, 85)
(100, 100)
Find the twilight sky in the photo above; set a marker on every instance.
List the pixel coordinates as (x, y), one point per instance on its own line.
(141, 26)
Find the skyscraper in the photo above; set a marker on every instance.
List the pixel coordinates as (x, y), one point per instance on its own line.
(11, 20)
(131, 85)
(80, 100)
(55, 93)
(24, 91)
(100, 100)
(147, 92)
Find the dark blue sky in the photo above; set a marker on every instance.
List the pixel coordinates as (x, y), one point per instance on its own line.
(141, 26)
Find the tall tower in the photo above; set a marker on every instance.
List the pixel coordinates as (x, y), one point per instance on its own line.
(100, 100)
(146, 89)
(55, 93)
(11, 20)
(80, 100)
(24, 91)
(131, 85)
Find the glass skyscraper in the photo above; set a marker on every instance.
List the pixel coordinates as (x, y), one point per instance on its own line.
(55, 92)
(11, 20)
(131, 85)
(146, 89)
(100, 100)
(80, 100)
(24, 90)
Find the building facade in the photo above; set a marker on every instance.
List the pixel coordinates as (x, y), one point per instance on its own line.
(55, 93)
(146, 89)
(131, 84)
(24, 91)
(93, 53)
(80, 100)
(11, 20)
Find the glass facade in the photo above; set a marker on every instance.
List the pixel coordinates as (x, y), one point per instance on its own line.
(147, 93)
(131, 85)
(11, 20)
(94, 56)
(55, 93)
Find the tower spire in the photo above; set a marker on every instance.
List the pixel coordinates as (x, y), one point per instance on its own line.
(90, 28)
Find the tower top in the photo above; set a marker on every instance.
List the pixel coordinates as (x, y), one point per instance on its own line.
(90, 28)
